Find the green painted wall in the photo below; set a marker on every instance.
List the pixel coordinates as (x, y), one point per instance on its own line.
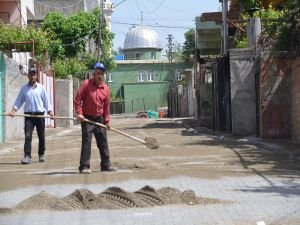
(150, 96)
(143, 54)
(2, 73)
(142, 95)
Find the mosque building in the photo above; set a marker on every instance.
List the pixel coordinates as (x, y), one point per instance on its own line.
(142, 79)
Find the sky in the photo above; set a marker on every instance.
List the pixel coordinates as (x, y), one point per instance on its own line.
(161, 15)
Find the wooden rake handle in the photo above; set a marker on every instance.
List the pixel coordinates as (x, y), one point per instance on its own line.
(86, 120)
(116, 130)
(41, 116)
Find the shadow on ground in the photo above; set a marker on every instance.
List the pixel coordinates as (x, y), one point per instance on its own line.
(281, 155)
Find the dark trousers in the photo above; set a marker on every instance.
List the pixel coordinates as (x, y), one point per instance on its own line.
(101, 139)
(30, 123)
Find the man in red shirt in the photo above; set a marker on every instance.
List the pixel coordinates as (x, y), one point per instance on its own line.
(92, 102)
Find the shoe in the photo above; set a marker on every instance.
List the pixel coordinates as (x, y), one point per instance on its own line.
(108, 169)
(85, 171)
(42, 158)
(26, 160)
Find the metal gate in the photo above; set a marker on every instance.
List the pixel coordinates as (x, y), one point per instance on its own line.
(221, 91)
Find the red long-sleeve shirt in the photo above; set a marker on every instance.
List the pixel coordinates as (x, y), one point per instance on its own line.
(93, 100)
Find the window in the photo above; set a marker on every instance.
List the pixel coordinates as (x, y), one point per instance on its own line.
(178, 76)
(150, 76)
(4, 17)
(109, 78)
(141, 76)
(137, 55)
(153, 55)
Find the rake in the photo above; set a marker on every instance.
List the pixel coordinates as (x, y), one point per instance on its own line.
(149, 142)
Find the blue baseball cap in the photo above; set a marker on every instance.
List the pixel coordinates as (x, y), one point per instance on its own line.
(99, 66)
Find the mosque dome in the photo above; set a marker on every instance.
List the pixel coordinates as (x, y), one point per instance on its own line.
(142, 37)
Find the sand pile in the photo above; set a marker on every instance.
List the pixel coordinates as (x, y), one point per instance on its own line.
(114, 198)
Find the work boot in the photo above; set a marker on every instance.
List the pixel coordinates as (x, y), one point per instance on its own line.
(42, 158)
(26, 160)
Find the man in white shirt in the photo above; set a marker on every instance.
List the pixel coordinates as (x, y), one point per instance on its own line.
(34, 95)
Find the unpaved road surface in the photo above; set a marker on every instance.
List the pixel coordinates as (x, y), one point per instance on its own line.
(195, 177)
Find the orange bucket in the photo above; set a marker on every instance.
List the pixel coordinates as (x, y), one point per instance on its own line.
(161, 114)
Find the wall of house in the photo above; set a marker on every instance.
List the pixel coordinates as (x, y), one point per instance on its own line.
(295, 91)
(12, 82)
(11, 8)
(144, 54)
(2, 74)
(64, 101)
(275, 96)
(127, 73)
(243, 96)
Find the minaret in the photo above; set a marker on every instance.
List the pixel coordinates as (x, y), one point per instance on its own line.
(108, 11)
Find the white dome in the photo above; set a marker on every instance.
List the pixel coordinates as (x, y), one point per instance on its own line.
(142, 37)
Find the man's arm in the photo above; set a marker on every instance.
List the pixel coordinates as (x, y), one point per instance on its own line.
(18, 103)
(46, 102)
(78, 102)
(106, 109)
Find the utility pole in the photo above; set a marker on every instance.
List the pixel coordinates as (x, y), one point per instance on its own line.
(171, 79)
(99, 31)
(225, 26)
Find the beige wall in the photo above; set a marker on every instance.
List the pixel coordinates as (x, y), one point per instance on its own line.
(17, 12)
(11, 8)
(295, 69)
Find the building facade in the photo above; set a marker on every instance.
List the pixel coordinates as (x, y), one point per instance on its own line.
(141, 80)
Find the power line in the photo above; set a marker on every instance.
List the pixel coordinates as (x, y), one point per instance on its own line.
(75, 43)
(156, 8)
(148, 25)
(55, 7)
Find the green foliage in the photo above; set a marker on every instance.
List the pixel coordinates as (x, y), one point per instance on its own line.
(271, 19)
(106, 56)
(114, 98)
(10, 35)
(177, 51)
(250, 6)
(69, 35)
(188, 46)
(242, 43)
(70, 66)
(284, 38)
(279, 24)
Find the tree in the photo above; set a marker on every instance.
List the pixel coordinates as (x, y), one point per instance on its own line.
(70, 36)
(188, 46)
(279, 23)
(177, 51)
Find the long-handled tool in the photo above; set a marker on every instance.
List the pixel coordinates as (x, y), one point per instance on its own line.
(41, 116)
(150, 142)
